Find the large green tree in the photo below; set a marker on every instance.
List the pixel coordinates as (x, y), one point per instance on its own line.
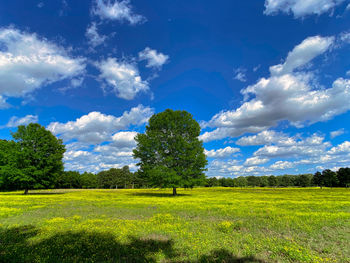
(170, 153)
(8, 164)
(39, 157)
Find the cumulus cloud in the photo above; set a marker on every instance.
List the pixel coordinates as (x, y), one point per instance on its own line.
(96, 161)
(16, 121)
(337, 133)
(97, 127)
(117, 10)
(124, 139)
(123, 77)
(154, 59)
(221, 153)
(300, 8)
(286, 95)
(341, 148)
(234, 168)
(28, 62)
(266, 137)
(94, 38)
(254, 161)
(302, 54)
(311, 146)
(281, 165)
(98, 141)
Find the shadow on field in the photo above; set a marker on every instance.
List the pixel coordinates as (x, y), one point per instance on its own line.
(20, 245)
(158, 194)
(224, 256)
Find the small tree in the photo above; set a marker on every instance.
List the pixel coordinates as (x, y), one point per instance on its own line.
(170, 153)
(40, 156)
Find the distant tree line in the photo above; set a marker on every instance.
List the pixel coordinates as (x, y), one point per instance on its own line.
(114, 178)
(326, 178)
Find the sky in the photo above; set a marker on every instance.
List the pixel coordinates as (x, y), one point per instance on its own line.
(268, 81)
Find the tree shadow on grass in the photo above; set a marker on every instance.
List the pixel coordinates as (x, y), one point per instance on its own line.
(20, 245)
(16, 246)
(224, 256)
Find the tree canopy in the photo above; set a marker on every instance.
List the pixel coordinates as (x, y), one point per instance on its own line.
(170, 153)
(36, 158)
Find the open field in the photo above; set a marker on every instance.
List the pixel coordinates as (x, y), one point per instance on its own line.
(200, 225)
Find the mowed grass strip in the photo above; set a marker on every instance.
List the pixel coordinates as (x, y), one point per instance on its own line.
(199, 225)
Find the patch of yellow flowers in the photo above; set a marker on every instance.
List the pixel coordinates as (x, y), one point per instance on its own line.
(271, 224)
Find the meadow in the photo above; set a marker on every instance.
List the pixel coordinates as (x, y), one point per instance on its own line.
(199, 225)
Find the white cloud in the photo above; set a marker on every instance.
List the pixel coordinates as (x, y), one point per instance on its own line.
(311, 146)
(221, 153)
(101, 158)
(254, 161)
(300, 8)
(96, 127)
(28, 62)
(341, 148)
(281, 165)
(97, 141)
(266, 137)
(154, 59)
(302, 54)
(240, 74)
(16, 121)
(285, 95)
(94, 38)
(123, 77)
(337, 133)
(233, 168)
(117, 10)
(124, 139)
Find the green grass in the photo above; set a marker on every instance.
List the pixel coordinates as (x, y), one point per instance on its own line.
(199, 225)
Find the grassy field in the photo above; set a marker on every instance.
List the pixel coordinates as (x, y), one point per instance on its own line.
(199, 225)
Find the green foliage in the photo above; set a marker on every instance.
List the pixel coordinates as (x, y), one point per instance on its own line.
(38, 158)
(170, 153)
(317, 179)
(343, 175)
(116, 178)
(74, 179)
(329, 178)
(8, 164)
(304, 180)
(241, 181)
(272, 180)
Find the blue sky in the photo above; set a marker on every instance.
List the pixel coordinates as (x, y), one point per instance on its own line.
(269, 81)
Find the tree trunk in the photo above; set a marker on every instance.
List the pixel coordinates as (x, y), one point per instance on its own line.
(174, 191)
(25, 191)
